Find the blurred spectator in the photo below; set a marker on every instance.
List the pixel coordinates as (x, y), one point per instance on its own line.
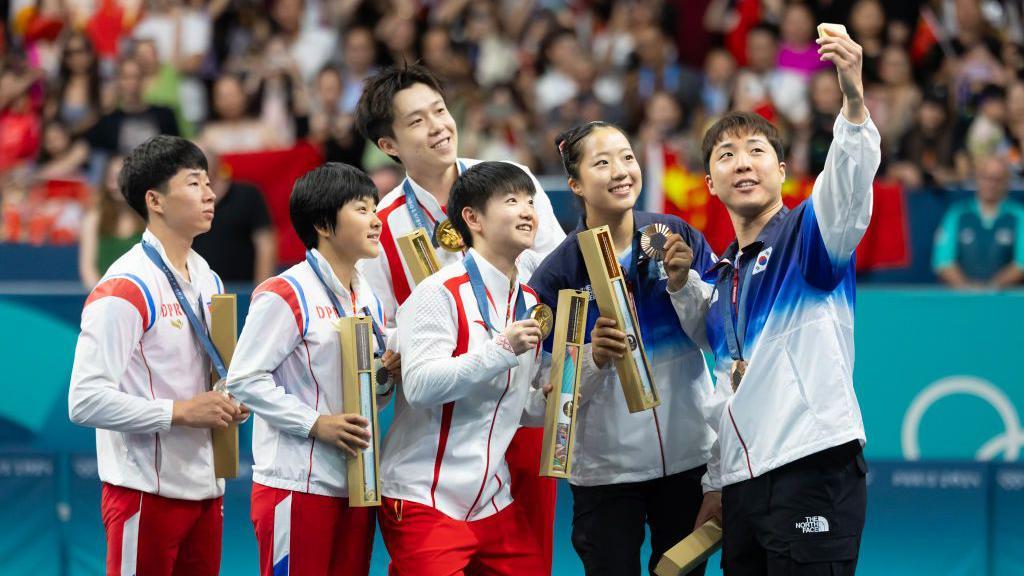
(656, 67)
(442, 58)
(762, 83)
(107, 25)
(75, 100)
(867, 28)
(42, 23)
(925, 156)
(970, 60)
(734, 18)
(19, 117)
(986, 135)
(386, 177)
(161, 83)
(109, 228)
(241, 245)
(799, 51)
(359, 60)
(61, 156)
(980, 243)
(826, 102)
(561, 59)
(132, 121)
(330, 126)
(497, 129)
(309, 46)
(1015, 123)
(893, 100)
(719, 79)
(494, 56)
(398, 32)
(234, 128)
(181, 37)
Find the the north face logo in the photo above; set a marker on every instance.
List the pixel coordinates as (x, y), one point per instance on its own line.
(813, 524)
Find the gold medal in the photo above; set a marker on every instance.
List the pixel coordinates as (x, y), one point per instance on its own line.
(653, 240)
(545, 317)
(448, 237)
(739, 368)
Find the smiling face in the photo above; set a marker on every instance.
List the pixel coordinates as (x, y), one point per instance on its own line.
(425, 134)
(357, 230)
(507, 224)
(609, 175)
(745, 173)
(187, 205)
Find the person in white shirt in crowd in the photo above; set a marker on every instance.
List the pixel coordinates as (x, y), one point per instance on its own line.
(762, 82)
(471, 362)
(403, 112)
(787, 473)
(142, 380)
(287, 366)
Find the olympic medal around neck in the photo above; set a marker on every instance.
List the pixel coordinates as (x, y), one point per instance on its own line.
(448, 237)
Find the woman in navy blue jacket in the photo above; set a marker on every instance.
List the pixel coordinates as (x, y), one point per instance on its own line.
(645, 467)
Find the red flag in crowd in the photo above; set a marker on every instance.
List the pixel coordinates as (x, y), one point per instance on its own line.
(275, 173)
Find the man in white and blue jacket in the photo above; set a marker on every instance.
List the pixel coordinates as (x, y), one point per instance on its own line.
(787, 473)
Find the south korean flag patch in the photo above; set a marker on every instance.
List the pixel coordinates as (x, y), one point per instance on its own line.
(762, 261)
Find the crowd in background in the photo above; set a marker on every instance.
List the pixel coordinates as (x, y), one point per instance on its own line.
(84, 81)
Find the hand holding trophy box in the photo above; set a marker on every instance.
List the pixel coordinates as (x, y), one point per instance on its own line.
(224, 335)
(418, 254)
(355, 334)
(691, 551)
(562, 402)
(613, 299)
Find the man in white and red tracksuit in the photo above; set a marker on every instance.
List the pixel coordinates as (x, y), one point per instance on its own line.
(288, 368)
(141, 375)
(402, 110)
(471, 359)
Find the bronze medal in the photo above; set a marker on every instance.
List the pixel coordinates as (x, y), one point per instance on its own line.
(448, 237)
(545, 317)
(739, 368)
(653, 240)
(381, 376)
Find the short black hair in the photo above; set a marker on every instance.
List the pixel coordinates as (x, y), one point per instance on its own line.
(375, 112)
(478, 184)
(320, 193)
(735, 123)
(152, 164)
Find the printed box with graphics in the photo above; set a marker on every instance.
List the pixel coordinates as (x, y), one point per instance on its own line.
(563, 400)
(355, 335)
(615, 302)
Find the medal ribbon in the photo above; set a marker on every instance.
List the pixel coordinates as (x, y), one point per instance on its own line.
(311, 260)
(416, 209)
(736, 310)
(198, 328)
(476, 282)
